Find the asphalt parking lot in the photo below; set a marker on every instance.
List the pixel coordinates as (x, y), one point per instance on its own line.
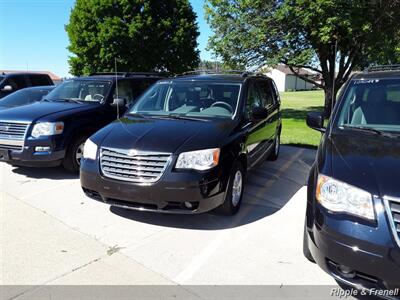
(51, 233)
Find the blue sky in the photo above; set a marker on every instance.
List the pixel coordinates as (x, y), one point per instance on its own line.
(32, 34)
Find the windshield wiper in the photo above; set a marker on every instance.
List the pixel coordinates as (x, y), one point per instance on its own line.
(371, 130)
(138, 115)
(179, 117)
(68, 100)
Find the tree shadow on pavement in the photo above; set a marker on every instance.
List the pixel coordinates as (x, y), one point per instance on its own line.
(268, 189)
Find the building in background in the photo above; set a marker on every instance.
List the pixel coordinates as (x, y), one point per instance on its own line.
(286, 81)
(56, 79)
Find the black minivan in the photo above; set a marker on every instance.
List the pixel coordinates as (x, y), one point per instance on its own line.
(352, 225)
(186, 144)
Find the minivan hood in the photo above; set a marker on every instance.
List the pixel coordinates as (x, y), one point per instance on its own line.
(166, 135)
(367, 161)
(37, 110)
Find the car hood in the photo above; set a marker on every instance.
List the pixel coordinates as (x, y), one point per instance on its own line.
(166, 135)
(367, 161)
(37, 110)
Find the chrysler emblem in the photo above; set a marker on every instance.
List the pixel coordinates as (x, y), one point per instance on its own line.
(132, 152)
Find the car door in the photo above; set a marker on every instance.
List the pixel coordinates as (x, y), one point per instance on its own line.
(257, 132)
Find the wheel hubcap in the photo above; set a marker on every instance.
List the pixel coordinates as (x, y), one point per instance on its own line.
(79, 154)
(277, 144)
(237, 188)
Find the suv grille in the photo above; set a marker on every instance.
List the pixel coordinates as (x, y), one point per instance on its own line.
(393, 210)
(12, 130)
(134, 166)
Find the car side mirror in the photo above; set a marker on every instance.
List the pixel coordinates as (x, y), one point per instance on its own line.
(7, 88)
(259, 113)
(315, 120)
(119, 102)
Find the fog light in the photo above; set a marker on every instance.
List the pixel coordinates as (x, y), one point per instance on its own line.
(346, 271)
(42, 149)
(188, 205)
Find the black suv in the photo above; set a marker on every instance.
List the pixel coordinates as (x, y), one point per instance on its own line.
(11, 82)
(53, 131)
(353, 205)
(186, 144)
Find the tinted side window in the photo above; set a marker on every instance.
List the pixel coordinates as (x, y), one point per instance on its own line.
(125, 91)
(266, 93)
(39, 80)
(254, 98)
(139, 86)
(17, 82)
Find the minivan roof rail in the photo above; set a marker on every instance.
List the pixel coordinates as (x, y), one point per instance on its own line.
(395, 67)
(126, 74)
(242, 73)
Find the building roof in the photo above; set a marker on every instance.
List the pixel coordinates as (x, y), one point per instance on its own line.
(53, 76)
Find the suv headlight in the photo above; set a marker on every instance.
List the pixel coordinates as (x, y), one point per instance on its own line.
(338, 196)
(198, 160)
(90, 150)
(47, 129)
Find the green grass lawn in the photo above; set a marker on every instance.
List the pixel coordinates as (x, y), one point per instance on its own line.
(295, 106)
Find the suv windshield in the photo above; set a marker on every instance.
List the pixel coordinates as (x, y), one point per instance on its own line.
(188, 98)
(372, 104)
(80, 90)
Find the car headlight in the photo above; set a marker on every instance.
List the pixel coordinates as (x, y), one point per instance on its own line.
(47, 129)
(338, 196)
(90, 150)
(198, 160)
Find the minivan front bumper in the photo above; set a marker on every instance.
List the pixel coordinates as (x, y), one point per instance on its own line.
(360, 255)
(175, 192)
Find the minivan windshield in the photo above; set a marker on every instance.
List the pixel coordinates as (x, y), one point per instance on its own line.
(190, 99)
(372, 104)
(80, 91)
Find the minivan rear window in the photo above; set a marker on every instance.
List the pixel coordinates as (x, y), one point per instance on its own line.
(195, 99)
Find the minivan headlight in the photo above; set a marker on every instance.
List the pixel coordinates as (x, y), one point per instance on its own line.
(338, 196)
(47, 129)
(90, 150)
(198, 160)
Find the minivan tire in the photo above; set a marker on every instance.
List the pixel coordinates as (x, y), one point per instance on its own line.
(276, 148)
(70, 162)
(306, 251)
(231, 203)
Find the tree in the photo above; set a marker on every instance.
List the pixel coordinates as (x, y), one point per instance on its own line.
(328, 37)
(212, 65)
(144, 35)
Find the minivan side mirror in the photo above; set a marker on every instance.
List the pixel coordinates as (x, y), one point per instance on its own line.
(119, 102)
(7, 88)
(259, 113)
(315, 120)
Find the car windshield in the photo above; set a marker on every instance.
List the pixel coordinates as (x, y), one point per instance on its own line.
(80, 91)
(22, 97)
(189, 98)
(372, 104)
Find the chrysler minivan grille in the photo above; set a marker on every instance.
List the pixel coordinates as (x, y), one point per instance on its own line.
(132, 165)
(393, 210)
(13, 130)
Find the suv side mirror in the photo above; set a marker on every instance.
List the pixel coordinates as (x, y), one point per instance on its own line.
(7, 88)
(119, 102)
(259, 113)
(315, 120)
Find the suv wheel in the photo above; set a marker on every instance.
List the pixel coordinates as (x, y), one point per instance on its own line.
(277, 145)
(234, 193)
(72, 160)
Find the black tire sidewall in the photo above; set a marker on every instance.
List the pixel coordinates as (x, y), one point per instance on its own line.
(69, 161)
(227, 207)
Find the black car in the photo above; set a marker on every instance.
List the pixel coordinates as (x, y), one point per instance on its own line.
(25, 96)
(186, 144)
(53, 131)
(14, 81)
(352, 225)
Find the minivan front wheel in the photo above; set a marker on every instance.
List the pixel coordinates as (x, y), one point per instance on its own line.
(72, 160)
(234, 192)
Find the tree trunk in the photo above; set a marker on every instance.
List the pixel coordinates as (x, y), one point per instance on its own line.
(328, 101)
